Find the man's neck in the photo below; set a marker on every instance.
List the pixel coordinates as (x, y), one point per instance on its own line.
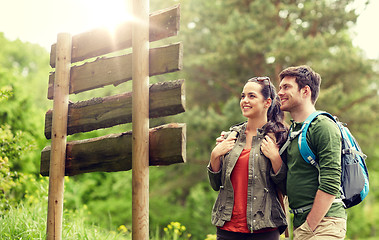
(299, 115)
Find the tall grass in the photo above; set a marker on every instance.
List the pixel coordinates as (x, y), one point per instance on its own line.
(29, 222)
(27, 219)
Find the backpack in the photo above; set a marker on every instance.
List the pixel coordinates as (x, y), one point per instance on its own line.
(354, 178)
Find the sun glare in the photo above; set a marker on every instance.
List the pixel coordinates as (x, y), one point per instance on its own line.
(107, 14)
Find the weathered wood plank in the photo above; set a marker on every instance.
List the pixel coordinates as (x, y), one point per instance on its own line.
(163, 24)
(115, 70)
(59, 139)
(111, 153)
(166, 98)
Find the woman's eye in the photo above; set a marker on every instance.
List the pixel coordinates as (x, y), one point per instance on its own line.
(248, 96)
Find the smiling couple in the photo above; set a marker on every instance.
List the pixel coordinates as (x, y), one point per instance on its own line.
(250, 175)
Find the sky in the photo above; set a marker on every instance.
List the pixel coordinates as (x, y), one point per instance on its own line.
(39, 21)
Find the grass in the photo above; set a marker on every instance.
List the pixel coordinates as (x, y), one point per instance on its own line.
(29, 222)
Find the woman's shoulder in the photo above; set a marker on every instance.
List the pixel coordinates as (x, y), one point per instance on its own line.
(238, 127)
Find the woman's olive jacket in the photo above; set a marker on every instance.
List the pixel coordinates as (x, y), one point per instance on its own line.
(263, 206)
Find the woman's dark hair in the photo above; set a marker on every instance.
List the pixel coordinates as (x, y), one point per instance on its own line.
(275, 116)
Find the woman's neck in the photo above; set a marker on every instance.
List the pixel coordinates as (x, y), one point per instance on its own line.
(254, 124)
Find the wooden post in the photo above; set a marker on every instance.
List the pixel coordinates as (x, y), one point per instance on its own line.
(140, 121)
(59, 133)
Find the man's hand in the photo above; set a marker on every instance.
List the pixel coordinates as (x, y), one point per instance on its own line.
(220, 138)
(322, 203)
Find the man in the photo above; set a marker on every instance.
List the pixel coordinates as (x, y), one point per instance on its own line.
(313, 193)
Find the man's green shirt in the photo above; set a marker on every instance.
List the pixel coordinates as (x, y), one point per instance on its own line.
(303, 179)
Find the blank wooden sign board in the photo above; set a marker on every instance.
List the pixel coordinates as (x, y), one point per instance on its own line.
(138, 149)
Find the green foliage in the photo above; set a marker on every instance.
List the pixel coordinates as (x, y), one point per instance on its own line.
(5, 93)
(363, 218)
(106, 195)
(13, 184)
(27, 220)
(13, 145)
(24, 72)
(225, 43)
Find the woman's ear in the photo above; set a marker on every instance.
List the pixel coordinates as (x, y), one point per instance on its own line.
(268, 102)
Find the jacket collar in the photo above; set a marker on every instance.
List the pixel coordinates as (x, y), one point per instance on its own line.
(241, 128)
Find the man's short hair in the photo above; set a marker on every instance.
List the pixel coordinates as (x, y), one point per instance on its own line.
(304, 75)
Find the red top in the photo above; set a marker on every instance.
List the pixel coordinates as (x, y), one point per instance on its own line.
(239, 178)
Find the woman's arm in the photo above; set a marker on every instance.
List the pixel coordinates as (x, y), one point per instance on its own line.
(214, 167)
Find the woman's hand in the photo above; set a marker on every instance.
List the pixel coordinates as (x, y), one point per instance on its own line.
(269, 147)
(271, 150)
(223, 146)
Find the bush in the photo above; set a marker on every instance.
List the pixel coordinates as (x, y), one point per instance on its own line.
(13, 184)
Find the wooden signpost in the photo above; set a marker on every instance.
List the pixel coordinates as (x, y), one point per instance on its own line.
(136, 150)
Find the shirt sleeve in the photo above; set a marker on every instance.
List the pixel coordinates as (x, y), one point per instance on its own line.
(214, 177)
(326, 143)
(280, 177)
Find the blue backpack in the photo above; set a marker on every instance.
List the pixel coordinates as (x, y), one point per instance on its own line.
(354, 177)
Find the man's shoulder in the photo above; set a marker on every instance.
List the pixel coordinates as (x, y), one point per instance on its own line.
(323, 128)
(324, 123)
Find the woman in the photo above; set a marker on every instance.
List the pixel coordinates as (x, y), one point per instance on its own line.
(243, 165)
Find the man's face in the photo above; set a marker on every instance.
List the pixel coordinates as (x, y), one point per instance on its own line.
(289, 94)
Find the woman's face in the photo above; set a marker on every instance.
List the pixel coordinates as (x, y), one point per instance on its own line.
(252, 102)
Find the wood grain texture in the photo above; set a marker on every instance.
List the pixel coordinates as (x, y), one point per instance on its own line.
(115, 70)
(165, 99)
(163, 24)
(59, 138)
(111, 153)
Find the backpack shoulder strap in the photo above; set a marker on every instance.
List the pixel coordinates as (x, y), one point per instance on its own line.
(291, 135)
(304, 148)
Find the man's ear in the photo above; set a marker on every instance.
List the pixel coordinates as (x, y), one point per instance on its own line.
(306, 91)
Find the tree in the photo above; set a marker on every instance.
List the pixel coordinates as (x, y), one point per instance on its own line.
(225, 43)
(24, 71)
(12, 146)
(228, 41)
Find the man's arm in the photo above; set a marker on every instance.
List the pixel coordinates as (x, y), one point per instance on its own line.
(328, 148)
(323, 201)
